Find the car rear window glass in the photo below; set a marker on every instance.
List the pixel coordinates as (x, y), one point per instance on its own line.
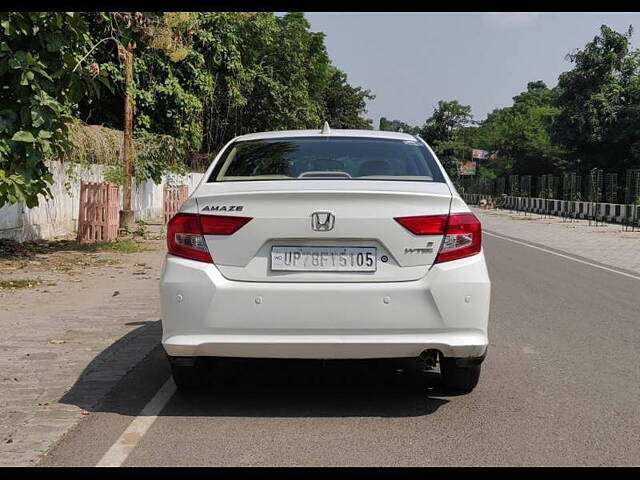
(326, 158)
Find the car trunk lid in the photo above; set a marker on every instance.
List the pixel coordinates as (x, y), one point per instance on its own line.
(364, 213)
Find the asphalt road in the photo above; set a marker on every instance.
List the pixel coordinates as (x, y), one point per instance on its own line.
(560, 386)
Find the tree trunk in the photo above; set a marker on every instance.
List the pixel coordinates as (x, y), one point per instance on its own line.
(127, 149)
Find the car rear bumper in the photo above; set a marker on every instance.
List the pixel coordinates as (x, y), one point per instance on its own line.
(205, 314)
(458, 344)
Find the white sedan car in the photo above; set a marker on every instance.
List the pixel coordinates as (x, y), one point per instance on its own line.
(325, 244)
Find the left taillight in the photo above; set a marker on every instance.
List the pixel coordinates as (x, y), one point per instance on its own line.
(185, 238)
(186, 231)
(222, 224)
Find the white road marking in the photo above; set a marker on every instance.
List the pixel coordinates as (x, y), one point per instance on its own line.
(120, 450)
(636, 277)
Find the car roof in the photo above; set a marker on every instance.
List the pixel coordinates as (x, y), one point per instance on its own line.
(334, 132)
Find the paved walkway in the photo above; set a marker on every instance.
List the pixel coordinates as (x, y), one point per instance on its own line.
(606, 243)
(58, 358)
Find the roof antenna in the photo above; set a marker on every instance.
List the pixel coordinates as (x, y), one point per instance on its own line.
(325, 129)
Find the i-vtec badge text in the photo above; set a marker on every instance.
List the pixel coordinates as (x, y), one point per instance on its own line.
(429, 249)
(223, 208)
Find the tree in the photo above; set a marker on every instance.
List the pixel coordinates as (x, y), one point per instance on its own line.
(270, 73)
(344, 105)
(446, 121)
(239, 72)
(598, 98)
(191, 82)
(162, 32)
(442, 130)
(522, 134)
(39, 53)
(590, 120)
(397, 126)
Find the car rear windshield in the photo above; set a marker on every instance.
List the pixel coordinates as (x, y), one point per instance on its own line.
(320, 158)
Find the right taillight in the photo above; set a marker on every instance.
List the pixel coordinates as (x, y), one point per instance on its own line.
(462, 237)
(186, 231)
(424, 224)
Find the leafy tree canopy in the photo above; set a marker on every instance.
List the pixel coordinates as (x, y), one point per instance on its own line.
(40, 88)
(343, 104)
(599, 103)
(591, 119)
(199, 80)
(443, 131)
(521, 134)
(397, 126)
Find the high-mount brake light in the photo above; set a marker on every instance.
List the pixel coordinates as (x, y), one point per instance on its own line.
(186, 231)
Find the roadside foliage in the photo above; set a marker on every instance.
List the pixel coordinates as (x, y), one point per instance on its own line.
(39, 95)
(199, 80)
(591, 119)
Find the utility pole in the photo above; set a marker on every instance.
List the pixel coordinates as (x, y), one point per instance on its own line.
(126, 214)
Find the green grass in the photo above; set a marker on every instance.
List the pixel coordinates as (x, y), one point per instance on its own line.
(21, 283)
(125, 245)
(12, 250)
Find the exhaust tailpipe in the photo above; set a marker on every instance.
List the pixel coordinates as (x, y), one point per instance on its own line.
(430, 358)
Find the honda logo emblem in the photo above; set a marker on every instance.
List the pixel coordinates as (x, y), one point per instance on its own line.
(322, 221)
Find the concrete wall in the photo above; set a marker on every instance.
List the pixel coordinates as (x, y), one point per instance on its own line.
(147, 198)
(58, 215)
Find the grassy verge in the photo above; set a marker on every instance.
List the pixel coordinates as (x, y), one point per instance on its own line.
(12, 250)
(67, 256)
(20, 283)
(124, 245)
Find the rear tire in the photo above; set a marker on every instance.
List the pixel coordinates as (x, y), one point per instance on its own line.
(189, 377)
(459, 378)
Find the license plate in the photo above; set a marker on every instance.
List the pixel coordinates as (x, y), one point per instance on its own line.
(324, 259)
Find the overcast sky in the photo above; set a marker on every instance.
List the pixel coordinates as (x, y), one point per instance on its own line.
(412, 60)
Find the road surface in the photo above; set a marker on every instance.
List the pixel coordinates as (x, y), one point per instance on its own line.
(560, 386)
